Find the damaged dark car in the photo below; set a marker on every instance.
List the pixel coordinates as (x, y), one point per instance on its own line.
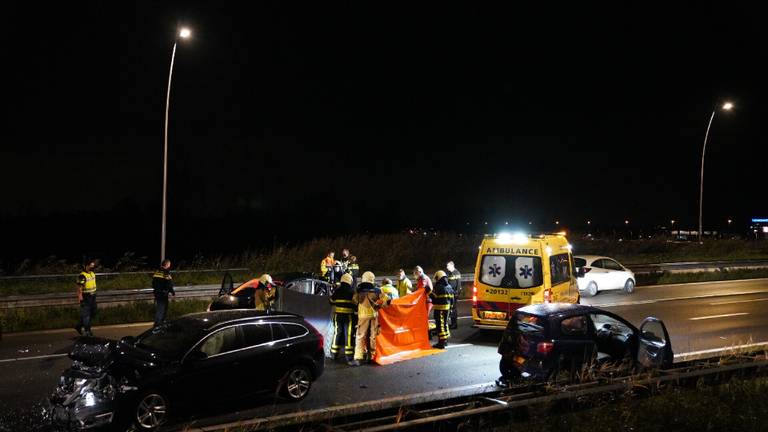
(144, 382)
(544, 339)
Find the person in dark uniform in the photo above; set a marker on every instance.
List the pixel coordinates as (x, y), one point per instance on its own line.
(353, 268)
(441, 296)
(162, 285)
(454, 278)
(343, 327)
(86, 295)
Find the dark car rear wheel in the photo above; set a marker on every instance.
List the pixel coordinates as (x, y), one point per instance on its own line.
(296, 383)
(151, 411)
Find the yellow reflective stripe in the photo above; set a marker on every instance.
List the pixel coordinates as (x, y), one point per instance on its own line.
(343, 310)
(442, 295)
(342, 301)
(441, 307)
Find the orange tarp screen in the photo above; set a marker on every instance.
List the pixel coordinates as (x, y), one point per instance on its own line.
(403, 330)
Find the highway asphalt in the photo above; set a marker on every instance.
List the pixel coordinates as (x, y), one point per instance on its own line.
(699, 317)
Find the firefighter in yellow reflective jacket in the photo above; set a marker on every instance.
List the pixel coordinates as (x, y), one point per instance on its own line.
(86, 295)
(343, 309)
(369, 300)
(404, 285)
(442, 297)
(265, 294)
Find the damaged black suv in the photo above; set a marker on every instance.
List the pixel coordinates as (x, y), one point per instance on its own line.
(211, 356)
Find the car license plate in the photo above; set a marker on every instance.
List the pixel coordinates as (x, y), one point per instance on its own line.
(495, 315)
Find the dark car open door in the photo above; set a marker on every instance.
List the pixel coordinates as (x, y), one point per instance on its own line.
(654, 348)
(226, 285)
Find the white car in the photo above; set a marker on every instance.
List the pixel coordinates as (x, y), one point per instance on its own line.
(600, 273)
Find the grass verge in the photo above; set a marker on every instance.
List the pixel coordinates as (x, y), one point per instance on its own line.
(45, 318)
(679, 278)
(738, 405)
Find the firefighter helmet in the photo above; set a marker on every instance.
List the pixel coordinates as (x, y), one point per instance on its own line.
(346, 278)
(265, 279)
(439, 275)
(369, 277)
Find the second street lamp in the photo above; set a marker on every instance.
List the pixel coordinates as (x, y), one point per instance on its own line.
(726, 107)
(183, 33)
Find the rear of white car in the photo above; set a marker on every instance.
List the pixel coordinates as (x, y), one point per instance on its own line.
(600, 273)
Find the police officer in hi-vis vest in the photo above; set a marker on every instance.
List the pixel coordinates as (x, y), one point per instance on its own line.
(86, 294)
(162, 285)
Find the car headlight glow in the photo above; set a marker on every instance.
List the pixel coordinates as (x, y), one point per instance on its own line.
(90, 399)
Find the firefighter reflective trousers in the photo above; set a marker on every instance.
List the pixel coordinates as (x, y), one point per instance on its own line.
(441, 324)
(367, 330)
(342, 335)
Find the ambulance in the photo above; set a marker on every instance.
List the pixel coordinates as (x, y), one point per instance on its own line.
(516, 270)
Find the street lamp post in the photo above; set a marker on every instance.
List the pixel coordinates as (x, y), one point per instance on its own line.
(183, 33)
(727, 107)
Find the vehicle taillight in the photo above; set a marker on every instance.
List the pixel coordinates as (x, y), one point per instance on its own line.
(474, 294)
(545, 347)
(320, 338)
(547, 296)
(587, 269)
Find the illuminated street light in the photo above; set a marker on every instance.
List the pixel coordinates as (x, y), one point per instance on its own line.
(626, 222)
(726, 107)
(589, 222)
(184, 33)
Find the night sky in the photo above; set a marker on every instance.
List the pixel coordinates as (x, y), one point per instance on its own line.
(298, 120)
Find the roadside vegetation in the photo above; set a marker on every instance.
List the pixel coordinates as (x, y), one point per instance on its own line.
(383, 254)
(738, 405)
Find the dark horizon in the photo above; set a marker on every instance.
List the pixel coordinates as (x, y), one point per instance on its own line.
(297, 122)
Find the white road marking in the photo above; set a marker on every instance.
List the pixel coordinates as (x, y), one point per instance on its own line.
(458, 346)
(639, 302)
(71, 330)
(724, 349)
(33, 358)
(718, 316)
(738, 301)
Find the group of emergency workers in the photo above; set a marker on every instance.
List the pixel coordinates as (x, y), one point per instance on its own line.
(355, 308)
(162, 287)
(332, 269)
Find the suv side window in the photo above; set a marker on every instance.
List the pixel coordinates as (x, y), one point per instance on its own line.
(257, 334)
(576, 325)
(220, 342)
(278, 332)
(294, 330)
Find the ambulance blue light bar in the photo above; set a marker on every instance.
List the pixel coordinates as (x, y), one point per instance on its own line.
(759, 220)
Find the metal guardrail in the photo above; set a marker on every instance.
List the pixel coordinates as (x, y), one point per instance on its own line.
(697, 266)
(107, 274)
(471, 401)
(202, 291)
